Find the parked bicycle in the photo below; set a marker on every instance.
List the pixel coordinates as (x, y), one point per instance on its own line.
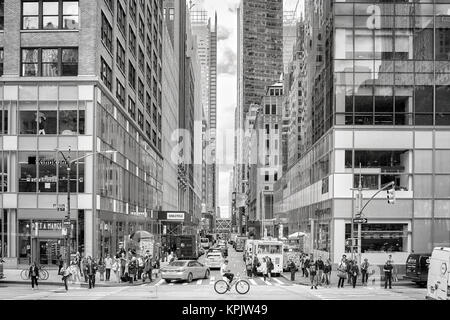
(241, 285)
(43, 274)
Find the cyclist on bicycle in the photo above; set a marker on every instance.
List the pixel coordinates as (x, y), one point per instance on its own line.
(225, 271)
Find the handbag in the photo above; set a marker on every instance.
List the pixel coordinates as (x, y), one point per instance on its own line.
(342, 274)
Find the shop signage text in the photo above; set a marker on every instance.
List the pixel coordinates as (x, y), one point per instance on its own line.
(175, 215)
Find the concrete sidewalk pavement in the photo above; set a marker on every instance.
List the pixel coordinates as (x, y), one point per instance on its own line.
(13, 276)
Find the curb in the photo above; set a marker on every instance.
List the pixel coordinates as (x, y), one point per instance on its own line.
(83, 284)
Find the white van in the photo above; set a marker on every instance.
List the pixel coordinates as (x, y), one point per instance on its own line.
(438, 284)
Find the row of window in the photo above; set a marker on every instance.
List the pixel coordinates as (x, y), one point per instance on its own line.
(49, 62)
(44, 14)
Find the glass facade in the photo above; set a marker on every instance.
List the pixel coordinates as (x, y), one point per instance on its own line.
(391, 63)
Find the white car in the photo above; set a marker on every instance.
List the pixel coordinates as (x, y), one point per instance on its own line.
(214, 260)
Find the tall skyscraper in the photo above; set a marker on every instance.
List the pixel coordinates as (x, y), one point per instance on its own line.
(260, 64)
(81, 77)
(206, 35)
(376, 90)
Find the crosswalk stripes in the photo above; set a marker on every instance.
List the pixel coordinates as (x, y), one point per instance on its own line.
(212, 280)
(278, 281)
(199, 281)
(160, 282)
(253, 282)
(185, 284)
(266, 282)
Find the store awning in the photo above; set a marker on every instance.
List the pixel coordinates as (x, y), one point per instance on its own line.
(297, 235)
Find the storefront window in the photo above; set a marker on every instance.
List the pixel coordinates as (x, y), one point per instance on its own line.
(380, 237)
(47, 172)
(27, 171)
(24, 241)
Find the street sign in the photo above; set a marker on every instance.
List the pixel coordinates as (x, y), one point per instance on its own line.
(360, 220)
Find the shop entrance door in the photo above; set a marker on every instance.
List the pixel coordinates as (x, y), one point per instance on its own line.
(49, 251)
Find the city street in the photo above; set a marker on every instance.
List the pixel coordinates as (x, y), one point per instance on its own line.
(275, 289)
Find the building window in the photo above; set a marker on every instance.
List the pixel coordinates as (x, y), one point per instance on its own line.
(4, 121)
(2, 20)
(141, 91)
(141, 60)
(3, 175)
(266, 176)
(148, 129)
(380, 238)
(131, 75)
(44, 14)
(141, 119)
(154, 137)
(171, 14)
(141, 29)
(121, 19)
(131, 108)
(267, 109)
(149, 47)
(149, 19)
(154, 114)
(148, 104)
(106, 33)
(1, 61)
(120, 92)
(148, 76)
(120, 56)
(132, 8)
(106, 74)
(49, 62)
(159, 122)
(132, 42)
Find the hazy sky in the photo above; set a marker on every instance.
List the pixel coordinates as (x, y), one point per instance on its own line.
(226, 82)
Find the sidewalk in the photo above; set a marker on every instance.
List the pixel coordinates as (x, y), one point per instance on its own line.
(334, 280)
(13, 276)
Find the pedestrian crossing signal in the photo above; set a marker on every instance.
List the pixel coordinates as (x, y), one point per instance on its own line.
(391, 196)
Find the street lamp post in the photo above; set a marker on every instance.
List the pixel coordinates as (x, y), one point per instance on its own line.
(67, 223)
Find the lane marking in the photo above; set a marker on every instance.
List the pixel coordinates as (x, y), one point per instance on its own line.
(278, 281)
(199, 282)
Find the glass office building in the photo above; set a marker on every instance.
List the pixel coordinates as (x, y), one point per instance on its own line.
(379, 89)
(64, 91)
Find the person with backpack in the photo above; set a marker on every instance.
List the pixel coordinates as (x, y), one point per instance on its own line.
(342, 271)
(365, 272)
(354, 273)
(313, 274)
(388, 274)
(319, 268)
(327, 272)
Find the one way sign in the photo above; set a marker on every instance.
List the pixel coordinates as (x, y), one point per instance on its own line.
(360, 220)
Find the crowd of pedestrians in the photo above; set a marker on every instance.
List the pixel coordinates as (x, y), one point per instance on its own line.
(125, 268)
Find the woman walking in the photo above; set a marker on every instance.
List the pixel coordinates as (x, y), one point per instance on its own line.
(264, 268)
(33, 274)
(101, 269)
(327, 272)
(65, 272)
(116, 269)
(342, 272)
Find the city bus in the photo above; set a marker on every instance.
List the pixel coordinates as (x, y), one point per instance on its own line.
(272, 249)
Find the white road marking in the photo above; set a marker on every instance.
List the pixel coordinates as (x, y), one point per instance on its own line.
(185, 283)
(171, 284)
(199, 281)
(278, 281)
(253, 282)
(266, 282)
(160, 282)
